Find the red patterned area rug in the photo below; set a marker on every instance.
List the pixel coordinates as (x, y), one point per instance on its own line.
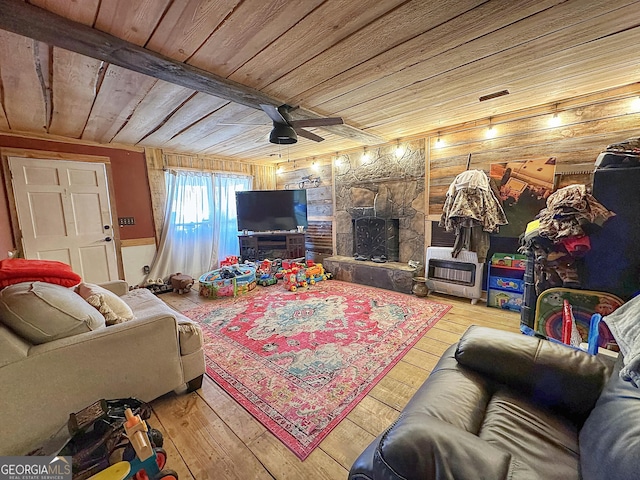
(300, 362)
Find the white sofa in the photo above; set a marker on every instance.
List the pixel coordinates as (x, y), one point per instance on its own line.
(158, 351)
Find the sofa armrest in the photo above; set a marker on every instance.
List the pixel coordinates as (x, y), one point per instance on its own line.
(561, 378)
(419, 446)
(139, 358)
(119, 287)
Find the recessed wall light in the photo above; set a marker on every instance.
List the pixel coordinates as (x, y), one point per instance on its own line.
(635, 105)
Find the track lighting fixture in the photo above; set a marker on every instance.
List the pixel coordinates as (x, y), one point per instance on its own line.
(439, 142)
(555, 120)
(491, 131)
(399, 150)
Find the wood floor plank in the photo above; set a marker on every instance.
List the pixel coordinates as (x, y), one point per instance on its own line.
(421, 359)
(452, 327)
(243, 424)
(392, 392)
(430, 345)
(409, 374)
(174, 459)
(346, 442)
(206, 443)
(373, 415)
(283, 464)
(445, 336)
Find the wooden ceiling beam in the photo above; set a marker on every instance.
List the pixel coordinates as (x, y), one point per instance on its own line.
(34, 22)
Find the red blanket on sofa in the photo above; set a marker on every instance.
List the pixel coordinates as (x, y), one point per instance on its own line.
(18, 270)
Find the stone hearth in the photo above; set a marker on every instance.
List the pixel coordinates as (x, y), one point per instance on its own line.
(390, 276)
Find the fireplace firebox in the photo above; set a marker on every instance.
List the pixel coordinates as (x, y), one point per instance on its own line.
(376, 239)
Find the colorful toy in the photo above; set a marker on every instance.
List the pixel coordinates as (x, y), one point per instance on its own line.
(148, 462)
(584, 303)
(315, 273)
(97, 437)
(295, 277)
(265, 266)
(267, 279)
(181, 283)
(228, 281)
(229, 261)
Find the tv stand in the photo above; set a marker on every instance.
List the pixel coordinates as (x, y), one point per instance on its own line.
(259, 246)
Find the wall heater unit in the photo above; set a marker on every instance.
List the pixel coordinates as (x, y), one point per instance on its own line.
(461, 276)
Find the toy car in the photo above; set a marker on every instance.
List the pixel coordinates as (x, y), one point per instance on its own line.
(294, 278)
(315, 273)
(267, 279)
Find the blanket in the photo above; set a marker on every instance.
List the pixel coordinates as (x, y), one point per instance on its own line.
(18, 270)
(624, 324)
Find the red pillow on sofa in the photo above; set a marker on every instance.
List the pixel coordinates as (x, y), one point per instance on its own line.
(18, 270)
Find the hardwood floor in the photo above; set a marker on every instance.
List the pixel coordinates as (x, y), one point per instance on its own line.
(209, 435)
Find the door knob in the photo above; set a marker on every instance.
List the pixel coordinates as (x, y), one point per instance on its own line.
(107, 239)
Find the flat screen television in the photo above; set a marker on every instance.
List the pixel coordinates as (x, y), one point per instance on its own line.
(271, 210)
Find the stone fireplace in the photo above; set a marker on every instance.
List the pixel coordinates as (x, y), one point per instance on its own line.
(380, 204)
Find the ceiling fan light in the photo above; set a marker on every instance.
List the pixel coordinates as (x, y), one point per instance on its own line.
(283, 134)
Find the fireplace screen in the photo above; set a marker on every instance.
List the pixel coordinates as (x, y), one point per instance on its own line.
(375, 239)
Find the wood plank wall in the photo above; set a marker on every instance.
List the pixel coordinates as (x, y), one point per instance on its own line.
(588, 125)
(318, 181)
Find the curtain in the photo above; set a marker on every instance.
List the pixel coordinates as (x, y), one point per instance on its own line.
(186, 243)
(226, 218)
(200, 222)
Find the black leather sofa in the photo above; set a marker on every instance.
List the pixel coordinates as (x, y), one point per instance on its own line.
(500, 405)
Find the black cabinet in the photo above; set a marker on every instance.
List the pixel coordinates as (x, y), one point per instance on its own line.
(260, 246)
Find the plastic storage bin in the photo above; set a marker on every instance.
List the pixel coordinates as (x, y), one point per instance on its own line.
(505, 287)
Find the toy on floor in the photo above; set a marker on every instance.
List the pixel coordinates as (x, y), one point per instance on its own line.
(267, 279)
(295, 277)
(95, 438)
(229, 260)
(228, 281)
(158, 286)
(181, 283)
(148, 462)
(315, 272)
(584, 303)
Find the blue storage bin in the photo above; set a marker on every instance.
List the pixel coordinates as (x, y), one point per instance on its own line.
(506, 283)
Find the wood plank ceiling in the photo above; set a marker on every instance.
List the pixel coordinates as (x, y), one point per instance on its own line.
(390, 68)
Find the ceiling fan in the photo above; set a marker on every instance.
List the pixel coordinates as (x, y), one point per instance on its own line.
(286, 130)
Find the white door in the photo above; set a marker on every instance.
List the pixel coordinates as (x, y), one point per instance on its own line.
(64, 214)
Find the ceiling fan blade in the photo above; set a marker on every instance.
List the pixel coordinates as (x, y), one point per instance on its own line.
(262, 124)
(316, 122)
(307, 134)
(274, 114)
